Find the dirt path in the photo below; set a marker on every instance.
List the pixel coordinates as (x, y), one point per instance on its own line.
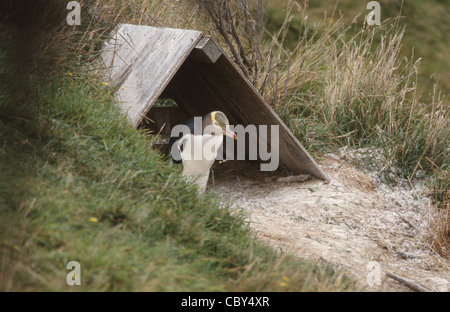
(354, 222)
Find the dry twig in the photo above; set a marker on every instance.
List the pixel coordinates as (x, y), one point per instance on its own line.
(408, 283)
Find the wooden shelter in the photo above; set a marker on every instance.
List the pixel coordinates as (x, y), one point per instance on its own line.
(147, 63)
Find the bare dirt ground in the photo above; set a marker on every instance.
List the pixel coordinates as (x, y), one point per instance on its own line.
(355, 222)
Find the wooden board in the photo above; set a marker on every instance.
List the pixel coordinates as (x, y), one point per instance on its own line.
(206, 51)
(142, 60)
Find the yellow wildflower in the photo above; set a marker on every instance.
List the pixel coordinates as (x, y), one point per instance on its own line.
(284, 282)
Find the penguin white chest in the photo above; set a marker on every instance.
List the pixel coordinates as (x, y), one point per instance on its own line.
(198, 154)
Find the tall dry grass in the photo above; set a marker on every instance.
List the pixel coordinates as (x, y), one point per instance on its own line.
(367, 94)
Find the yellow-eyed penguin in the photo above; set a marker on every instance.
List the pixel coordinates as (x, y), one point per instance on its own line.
(197, 145)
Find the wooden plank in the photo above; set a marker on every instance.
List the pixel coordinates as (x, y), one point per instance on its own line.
(206, 51)
(142, 60)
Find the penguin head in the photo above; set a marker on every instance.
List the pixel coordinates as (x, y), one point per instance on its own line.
(220, 121)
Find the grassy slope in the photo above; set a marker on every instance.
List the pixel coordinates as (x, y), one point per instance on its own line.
(77, 182)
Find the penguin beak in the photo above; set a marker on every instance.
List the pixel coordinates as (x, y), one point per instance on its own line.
(228, 132)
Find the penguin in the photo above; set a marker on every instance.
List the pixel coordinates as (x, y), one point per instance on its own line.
(197, 148)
